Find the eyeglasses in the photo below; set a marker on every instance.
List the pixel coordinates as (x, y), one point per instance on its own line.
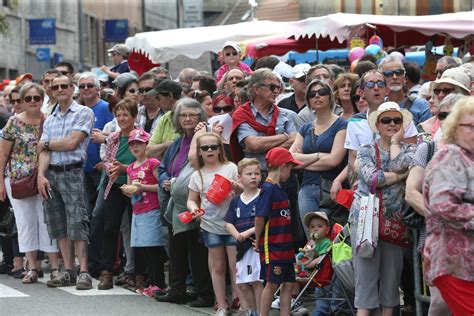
(87, 85)
(388, 120)
(211, 147)
(144, 90)
(372, 84)
(225, 109)
(132, 90)
(30, 98)
(396, 72)
(445, 91)
(13, 101)
(191, 116)
(355, 98)
(62, 86)
(321, 92)
(442, 115)
(231, 54)
(272, 87)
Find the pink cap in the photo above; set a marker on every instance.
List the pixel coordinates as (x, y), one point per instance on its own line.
(138, 135)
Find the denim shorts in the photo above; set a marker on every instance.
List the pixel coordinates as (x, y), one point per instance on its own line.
(212, 240)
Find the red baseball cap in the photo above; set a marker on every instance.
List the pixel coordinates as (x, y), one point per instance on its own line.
(279, 156)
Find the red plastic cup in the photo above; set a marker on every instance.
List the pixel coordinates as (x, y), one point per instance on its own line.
(345, 197)
(219, 190)
(185, 217)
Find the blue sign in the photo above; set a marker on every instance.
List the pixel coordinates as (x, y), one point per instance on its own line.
(43, 54)
(57, 58)
(116, 30)
(42, 31)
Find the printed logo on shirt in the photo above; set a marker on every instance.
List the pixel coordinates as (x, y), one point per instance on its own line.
(285, 213)
(276, 270)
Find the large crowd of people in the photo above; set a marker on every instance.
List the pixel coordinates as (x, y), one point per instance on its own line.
(222, 179)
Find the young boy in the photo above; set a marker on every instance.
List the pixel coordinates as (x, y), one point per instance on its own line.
(273, 231)
(318, 228)
(240, 221)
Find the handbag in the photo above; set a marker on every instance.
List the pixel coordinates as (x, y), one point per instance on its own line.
(368, 226)
(392, 230)
(27, 186)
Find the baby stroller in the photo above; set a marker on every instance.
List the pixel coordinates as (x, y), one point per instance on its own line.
(342, 281)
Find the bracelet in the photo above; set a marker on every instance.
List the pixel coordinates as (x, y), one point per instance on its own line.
(317, 156)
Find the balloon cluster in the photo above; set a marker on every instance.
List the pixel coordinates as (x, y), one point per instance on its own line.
(375, 48)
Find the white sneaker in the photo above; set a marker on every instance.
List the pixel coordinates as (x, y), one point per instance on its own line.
(298, 308)
(276, 303)
(222, 312)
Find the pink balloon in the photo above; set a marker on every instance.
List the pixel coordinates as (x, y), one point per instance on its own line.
(356, 53)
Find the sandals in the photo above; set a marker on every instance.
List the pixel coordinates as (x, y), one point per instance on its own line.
(31, 277)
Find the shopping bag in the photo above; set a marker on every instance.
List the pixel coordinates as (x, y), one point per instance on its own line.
(368, 226)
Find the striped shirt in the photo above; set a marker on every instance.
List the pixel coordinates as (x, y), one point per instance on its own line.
(59, 126)
(276, 242)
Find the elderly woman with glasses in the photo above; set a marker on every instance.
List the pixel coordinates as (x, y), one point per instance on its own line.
(449, 201)
(383, 165)
(185, 246)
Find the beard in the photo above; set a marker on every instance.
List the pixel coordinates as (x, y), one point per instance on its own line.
(396, 88)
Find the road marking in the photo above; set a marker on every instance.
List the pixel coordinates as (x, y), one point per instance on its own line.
(6, 291)
(92, 292)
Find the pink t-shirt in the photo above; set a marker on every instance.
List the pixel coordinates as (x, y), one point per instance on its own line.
(143, 174)
(224, 68)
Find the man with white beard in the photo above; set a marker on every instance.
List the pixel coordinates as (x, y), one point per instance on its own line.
(395, 77)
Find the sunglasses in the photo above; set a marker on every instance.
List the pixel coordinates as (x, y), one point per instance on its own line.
(87, 85)
(12, 102)
(132, 90)
(355, 98)
(225, 109)
(445, 91)
(30, 98)
(211, 147)
(388, 120)
(372, 84)
(231, 54)
(321, 92)
(272, 87)
(442, 115)
(62, 86)
(144, 90)
(396, 72)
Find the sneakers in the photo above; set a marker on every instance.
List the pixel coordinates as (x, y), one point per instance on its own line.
(222, 312)
(106, 281)
(64, 278)
(84, 281)
(201, 302)
(298, 308)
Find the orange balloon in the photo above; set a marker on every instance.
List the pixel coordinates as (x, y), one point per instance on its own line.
(354, 64)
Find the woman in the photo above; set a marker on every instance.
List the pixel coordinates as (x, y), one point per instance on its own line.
(203, 97)
(116, 160)
(126, 86)
(320, 145)
(222, 104)
(377, 279)
(20, 157)
(342, 93)
(15, 101)
(414, 195)
(185, 246)
(449, 200)
(359, 103)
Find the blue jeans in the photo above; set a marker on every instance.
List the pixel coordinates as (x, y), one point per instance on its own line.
(308, 201)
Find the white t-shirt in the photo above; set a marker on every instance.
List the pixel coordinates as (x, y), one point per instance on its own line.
(213, 219)
(359, 133)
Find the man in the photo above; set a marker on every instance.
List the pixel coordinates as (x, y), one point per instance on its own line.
(119, 54)
(63, 150)
(149, 111)
(204, 82)
(65, 68)
(413, 76)
(296, 102)
(445, 63)
(160, 72)
(186, 76)
(89, 88)
(374, 90)
(6, 97)
(49, 100)
(167, 92)
(394, 73)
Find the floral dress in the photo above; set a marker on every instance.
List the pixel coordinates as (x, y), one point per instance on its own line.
(24, 155)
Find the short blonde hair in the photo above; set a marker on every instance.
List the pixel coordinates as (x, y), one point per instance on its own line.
(247, 162)
(463, 107)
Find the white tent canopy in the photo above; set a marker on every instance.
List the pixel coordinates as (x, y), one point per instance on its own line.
(163, 46)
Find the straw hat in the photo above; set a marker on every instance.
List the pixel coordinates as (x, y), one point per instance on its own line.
(386, 107)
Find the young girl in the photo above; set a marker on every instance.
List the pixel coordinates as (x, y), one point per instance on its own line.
(147, 233)
(211, 161)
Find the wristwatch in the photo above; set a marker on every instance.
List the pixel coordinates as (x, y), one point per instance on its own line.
(46, 145)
